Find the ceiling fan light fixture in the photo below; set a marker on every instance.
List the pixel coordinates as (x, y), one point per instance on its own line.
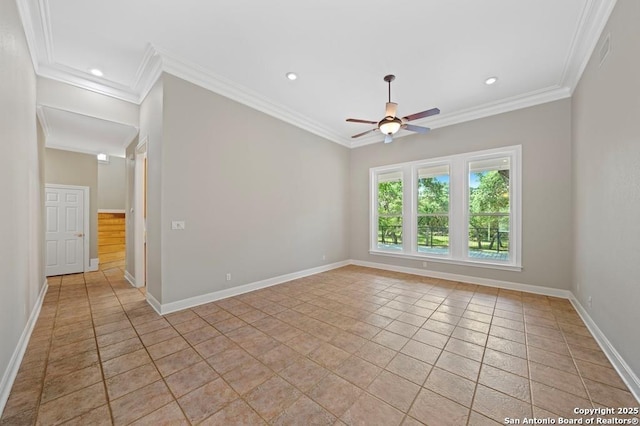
(291, 76)
(390, 126)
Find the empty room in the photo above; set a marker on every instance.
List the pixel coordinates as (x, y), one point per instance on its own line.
(359, 213)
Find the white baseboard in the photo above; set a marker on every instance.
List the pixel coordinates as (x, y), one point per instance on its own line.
(621, 366)
(11, 372)
(130, 278)
(624, 370)
(235, 291)
(94, 264)
(154, 303)
(545, 291)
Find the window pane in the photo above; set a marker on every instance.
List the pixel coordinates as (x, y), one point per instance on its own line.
(433, 210)
(433, 234)
(489, 208)
(389, 194)
(390, 233)
(390, 211)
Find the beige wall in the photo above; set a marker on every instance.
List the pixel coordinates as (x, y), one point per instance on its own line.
(260, 197)
(606, 153)
(21, 265)
(112, 184)
(74, 168)
(544, 132)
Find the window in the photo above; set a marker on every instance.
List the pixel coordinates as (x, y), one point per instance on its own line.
(489, 209)
(389, 211)
(462, 209)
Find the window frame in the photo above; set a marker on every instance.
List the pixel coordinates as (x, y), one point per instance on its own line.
(458, 165)
(374, 216)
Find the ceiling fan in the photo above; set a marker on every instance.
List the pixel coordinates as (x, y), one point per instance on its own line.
(390, 124)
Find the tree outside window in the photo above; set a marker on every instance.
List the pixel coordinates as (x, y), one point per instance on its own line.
(390, 211)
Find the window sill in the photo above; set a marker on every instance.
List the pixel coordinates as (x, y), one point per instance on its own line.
(473, 263)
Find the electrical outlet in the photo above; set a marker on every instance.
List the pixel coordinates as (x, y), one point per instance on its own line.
(424, 264)
(229, 277)
(324, 257)
(177, 225)
(589, 300)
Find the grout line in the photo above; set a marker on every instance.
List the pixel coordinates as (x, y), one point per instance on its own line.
(526, 348)
(484, 350)
(95, 337)
(330, 302)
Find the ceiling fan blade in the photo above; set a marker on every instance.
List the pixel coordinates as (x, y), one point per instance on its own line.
(423, 114)
(364, 133)
(357, 120)
(391, 109)
(418, 129)
(388, 139)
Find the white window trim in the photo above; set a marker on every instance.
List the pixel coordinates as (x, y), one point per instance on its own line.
(458, 209)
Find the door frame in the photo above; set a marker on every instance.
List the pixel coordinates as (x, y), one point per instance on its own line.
(138, 213)
(86, 219)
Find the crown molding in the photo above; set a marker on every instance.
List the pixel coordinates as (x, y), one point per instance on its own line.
(204, 78)
(148, 72)
(36, 23)
(42, 118)
(54, 145)
(24, 10)
(52, 142)
(35, 18)
(492, 108)
(83, 80)
(60, 147)
(45, 22)
(592, 22)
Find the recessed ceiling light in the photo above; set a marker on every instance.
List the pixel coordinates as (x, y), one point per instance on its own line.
(490, 81)
(96, 72)
(291, 75)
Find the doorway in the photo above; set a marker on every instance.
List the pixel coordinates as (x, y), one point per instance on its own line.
(140, 214)
(66, 229)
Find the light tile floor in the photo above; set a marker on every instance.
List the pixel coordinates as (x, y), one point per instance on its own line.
(349, 346)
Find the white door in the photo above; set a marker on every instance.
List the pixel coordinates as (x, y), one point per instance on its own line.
(64, 230)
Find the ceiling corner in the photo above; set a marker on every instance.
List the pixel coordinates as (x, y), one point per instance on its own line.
(592, 22)
(148, 72)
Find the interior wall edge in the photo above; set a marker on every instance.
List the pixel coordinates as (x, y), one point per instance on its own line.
(629, 377)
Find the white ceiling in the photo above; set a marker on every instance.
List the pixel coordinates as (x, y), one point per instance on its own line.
(76, 132)
(440, 51)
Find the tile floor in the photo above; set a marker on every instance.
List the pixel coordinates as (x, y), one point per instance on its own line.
(349, 346)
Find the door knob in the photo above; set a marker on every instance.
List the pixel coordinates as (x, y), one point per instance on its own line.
(80, 235)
